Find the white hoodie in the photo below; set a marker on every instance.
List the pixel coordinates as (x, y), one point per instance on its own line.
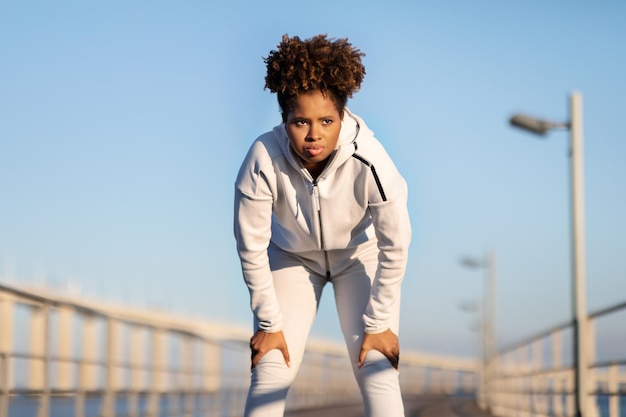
(359, 198)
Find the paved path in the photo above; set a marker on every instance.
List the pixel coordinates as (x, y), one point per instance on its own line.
(417, 407)
(444, 407)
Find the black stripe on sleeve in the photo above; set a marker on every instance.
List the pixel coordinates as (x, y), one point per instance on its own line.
(378, 184)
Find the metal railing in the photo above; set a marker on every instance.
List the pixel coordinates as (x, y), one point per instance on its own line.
(535, 377)
(62, 356)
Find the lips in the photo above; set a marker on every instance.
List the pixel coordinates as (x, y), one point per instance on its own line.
(315, 150)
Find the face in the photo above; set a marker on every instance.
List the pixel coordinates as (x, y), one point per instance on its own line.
(313, 128)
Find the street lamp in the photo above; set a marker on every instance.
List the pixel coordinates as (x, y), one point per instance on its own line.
(579, 309)
(537, 126)
(488, 324)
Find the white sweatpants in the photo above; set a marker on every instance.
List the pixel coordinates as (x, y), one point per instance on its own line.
(299, 282)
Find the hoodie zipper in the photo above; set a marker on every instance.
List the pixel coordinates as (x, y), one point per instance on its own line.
(318, 207)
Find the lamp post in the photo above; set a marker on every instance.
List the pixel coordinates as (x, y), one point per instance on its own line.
(579, 308)
(488, 322)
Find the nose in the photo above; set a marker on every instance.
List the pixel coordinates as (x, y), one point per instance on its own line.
(314, 132)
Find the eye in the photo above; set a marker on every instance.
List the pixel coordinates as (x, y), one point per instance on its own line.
(327, 121)
(300, 122)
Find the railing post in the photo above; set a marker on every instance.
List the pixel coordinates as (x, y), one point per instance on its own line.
(557, 362)
(36, 348)
(590, 398)
(137, 351)
(507, 383)
(613, 387)
(512, 383)
(211, 359)
(524, 386)
(110, 387)
(87, 367)
(495, 384)
(570, 402)
(40, 361)
(174, 377)
(6, 351)
(64, 343)
(188, 376)
(158, 371)
(482, 385)
(535, 366)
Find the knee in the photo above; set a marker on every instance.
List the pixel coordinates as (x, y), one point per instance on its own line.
(272, 372)
(377, 371)
(375, 361)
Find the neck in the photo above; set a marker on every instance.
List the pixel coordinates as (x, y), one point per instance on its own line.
(316, 169)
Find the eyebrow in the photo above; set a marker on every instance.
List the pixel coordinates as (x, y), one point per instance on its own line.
(319, 118)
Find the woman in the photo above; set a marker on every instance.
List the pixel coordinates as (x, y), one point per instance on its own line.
(318, 200)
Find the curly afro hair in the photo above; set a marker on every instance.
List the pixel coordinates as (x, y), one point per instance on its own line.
(332, 66)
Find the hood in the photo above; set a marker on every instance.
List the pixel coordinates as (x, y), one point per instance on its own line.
(352, 128)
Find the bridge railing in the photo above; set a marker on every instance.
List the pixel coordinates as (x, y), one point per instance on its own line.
(62, 356)
(535, 377)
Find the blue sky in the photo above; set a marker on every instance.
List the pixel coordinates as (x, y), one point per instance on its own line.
(122, 126)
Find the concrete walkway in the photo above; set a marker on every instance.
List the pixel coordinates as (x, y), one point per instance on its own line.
(444, 407)
(431, 406)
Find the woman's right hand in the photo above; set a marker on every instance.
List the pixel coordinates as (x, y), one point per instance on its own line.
(262, 342)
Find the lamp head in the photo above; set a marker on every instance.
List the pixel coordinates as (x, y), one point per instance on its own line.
(471, 262)
(531, 124)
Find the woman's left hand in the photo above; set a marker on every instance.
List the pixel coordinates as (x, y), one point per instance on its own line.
(385, 342)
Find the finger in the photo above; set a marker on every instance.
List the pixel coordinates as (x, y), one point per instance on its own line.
(286, 356)
(256, 357)
(394, 358)
(362, 355)
(394, 361)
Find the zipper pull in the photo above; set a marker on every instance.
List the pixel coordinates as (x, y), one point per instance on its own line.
(316, 196)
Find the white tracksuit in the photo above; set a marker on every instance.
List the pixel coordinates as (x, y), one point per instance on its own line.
(349, 227)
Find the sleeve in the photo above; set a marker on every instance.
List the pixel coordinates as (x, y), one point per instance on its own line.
(390, 218)
(252, 228)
